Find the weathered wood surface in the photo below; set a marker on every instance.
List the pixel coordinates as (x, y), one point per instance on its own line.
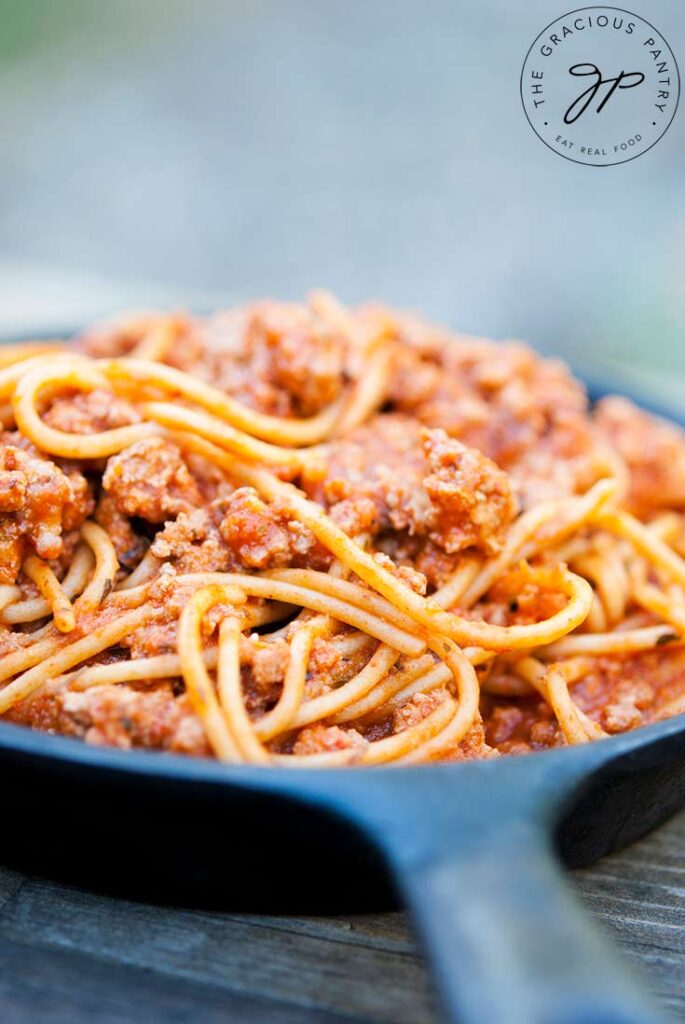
(69, 956)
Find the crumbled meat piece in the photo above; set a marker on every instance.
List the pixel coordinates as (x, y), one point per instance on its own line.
(414, 579)
(319, 738)
(419, 553)
(80, 504)
(504, 722)
(518, 728)
(192, 543)
(267, 659)
(90, 413)
(235, 533)
(473, 745)
(12, 545)
(160, 637)
(209, 478)
(528, 414)
(117, 716)
(123, 335)
(325, 663)
(264, 663)
(276, 357)
(421, 706)
(472, 495)
(13, 487)
(415, 710)
(306, 362)
(150, 479)
(621, 715)
(127, 718)
(544, 734)
(419, 482)
(381, 462)
(356, 516)
(622, 692)
(261, 536)
(128, 545)
(38, 501)
(524, 595)
(654, 452)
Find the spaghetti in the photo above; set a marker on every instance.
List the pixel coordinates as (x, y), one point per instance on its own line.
(310, 535)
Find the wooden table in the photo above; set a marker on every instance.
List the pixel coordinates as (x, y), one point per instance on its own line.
(69, 956)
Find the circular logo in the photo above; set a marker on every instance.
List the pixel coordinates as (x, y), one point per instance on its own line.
(600, 86)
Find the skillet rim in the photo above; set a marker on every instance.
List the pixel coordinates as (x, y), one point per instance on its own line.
(158, 765)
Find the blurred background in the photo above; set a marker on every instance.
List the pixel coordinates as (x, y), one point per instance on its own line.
(200, 153)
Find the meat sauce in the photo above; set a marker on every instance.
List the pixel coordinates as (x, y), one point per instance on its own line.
(471, 433)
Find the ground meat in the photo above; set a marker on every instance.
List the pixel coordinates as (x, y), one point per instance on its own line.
(654, 452)
(472, 496)
(238, 533)
(526, 413)
(356, 516)
(523, 596)
(528, 724)
(128, 545)
(504, 722)
(421, 706)
(269, 661)
(210, 479)
(160, 637)
(264, 664)
(382, 462)
(12, 547)
(319, 738)
(272, 356)
(90, 413)
(117, 716)
(622, 713)
(306, 361)
(411, 577)
(473, 745)
(623, 692)
(261, 536)
(276, 357)
(420, 554)
(127, 718)
(13, 488)
(38, 501)
(544, 733)
(619, 693)
(326, 668)
(123, 335)
(192, 543)
(418, 482)
(150, 479)
(415, 710)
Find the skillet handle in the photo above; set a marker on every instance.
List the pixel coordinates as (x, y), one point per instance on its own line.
(507, 940)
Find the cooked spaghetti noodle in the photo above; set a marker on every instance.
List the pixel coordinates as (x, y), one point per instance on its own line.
(311, 535)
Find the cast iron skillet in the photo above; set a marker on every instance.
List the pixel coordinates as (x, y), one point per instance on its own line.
(473, 849)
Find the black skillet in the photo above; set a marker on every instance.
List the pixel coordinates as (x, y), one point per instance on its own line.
(473, 849)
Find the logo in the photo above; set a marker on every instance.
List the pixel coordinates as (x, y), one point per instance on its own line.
(600, 86)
